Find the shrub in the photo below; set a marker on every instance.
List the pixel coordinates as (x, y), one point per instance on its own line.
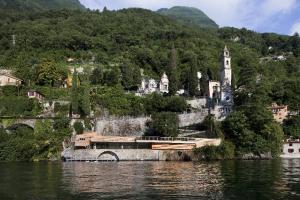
(9, 90)
(165, 124)
(225, 151)
(15, 106)
(158, 103)
(78, 127)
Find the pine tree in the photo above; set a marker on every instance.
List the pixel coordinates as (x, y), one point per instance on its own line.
(105, 9)
(97, 76)
(137, 78)
(75, 92)
(127, 76)
(172, 72)
(131, 76)
(248, 74)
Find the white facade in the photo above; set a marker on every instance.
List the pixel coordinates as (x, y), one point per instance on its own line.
(35, 95)
(164, 84)
(149, 86)
(291, 149)
(214, 89)
(199, 76)
(6, 79)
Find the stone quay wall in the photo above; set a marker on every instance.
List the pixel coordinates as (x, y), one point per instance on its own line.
(131, 155)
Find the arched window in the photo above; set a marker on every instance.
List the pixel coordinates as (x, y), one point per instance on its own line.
(227, 62)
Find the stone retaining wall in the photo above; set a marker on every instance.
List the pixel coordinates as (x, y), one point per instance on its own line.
(130, 126)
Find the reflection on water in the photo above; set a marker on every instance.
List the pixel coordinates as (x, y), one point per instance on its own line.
(145, 179)
(278, 179)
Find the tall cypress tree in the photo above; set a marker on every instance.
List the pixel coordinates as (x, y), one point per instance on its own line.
(193, 79)
(172, 72)
(75, 92)
(86, 102)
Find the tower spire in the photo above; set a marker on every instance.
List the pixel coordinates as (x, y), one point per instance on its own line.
(225, 48)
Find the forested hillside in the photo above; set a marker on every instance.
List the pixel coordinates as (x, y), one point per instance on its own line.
(189, 16)
(113, 47)
(143, 39)
(39, 5)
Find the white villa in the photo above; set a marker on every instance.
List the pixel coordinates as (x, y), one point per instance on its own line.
(291, 149)
(6, 78)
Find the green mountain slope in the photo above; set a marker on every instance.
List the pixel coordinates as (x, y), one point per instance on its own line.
(39, 5)
(189, 16)
(144, 39)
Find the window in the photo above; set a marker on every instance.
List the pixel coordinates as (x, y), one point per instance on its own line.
(290, 144)
(299, 150)
(227, 62)
(291, 150)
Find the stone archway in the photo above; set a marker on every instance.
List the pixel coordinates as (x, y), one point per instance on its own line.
(15, 126)
(108, 156)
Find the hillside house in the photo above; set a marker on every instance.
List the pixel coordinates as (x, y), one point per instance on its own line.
(35, 95)
(280, 112)
(6, 78)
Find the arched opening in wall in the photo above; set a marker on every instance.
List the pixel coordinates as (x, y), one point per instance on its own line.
(227, 62)
(20, 129)
(108, 156)
(19, 126)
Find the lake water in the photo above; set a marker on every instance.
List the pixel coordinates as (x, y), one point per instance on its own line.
(277, 179)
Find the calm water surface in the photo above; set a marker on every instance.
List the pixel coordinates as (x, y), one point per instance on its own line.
(278, 179)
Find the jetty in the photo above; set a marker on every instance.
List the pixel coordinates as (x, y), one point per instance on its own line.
(91, 147)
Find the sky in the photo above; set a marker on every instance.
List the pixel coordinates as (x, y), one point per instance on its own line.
(279, 16)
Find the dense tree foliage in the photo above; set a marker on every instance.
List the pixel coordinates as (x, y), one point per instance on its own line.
(188, 16)
(86, 101)
(75, 93)
(292, 127)
(43, 143)
(38, 5)
(172, 72)
(165, 124)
